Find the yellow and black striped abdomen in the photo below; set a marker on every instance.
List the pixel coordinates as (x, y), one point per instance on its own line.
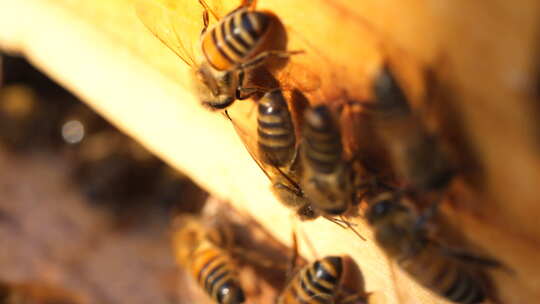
(214, 271)
(322, 141)
(315, 283)
(444, 275)
(276, 139)
(234, 38)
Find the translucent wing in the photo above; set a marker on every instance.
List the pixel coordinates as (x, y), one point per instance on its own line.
(243, 116)
(177, 23)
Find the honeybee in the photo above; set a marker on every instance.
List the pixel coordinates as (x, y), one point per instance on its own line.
(31, 293)
(401, 234)
(327, 178)
(322, 281)
(417, 156)
(275, 149)
(203, 252)
(238, 42)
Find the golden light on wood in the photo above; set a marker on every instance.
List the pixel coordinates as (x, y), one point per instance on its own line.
(486, 55)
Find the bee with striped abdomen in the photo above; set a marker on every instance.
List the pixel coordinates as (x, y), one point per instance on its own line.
(274, 148)
(300, 184)
(400, 233)
(276, 142)
(327, 178)
(235, 43)
(417, 156)
(202, 252)
(276, 139)
(322, 282)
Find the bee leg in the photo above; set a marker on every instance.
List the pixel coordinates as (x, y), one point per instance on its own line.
(248, 3)
(345, 225)
(294, 255)
(226, 114)
(286, 194)
(243, 92)
(351, 227)
(259, 59)
(206, 21)
(208, 9)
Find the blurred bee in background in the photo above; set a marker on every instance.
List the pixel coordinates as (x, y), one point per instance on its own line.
(417, 156)
(203, 252)
(31, 293)
(274, 149)
(236, 43)
(19, 111)
(403, 236)
(327, 178)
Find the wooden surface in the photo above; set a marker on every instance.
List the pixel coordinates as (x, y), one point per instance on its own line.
(486, 55)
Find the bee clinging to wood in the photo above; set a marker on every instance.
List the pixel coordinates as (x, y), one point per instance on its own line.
(401, 233)
(275, 149)
(202, 251)
(273, 146)
(417, 156)
(236, 43)
(327, 178)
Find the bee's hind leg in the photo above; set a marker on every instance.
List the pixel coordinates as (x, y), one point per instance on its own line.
(208, 9)
(244, 92)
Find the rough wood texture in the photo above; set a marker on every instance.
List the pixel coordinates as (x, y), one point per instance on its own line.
(485, 53)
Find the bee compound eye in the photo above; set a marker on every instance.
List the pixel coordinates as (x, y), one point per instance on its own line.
(230, 293)
(379, 210)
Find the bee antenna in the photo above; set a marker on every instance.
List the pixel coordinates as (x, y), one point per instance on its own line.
(345, 225)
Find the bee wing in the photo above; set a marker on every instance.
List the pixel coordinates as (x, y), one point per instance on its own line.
(243, 116)
(178, 24)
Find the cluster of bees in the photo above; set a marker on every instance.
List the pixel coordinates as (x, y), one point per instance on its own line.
(304, 159)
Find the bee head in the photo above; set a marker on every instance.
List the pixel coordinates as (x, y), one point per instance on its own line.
(382, 207)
